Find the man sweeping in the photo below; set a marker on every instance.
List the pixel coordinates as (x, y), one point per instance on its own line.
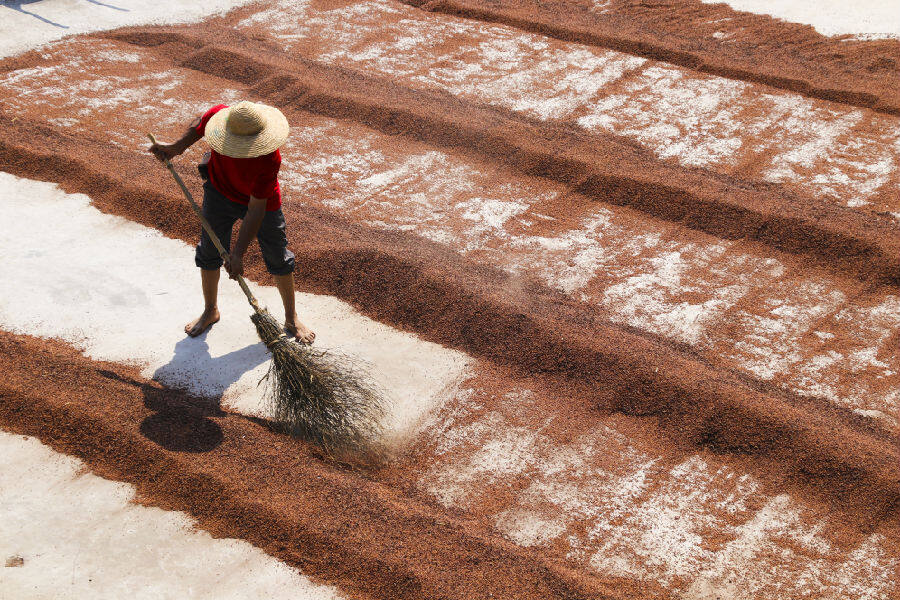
(241, 183)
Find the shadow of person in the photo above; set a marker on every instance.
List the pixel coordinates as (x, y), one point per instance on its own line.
(182, 421)
(181, 429)
(17, 5)
(119, 8)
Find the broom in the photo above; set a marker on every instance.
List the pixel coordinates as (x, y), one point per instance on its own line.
(316, 395)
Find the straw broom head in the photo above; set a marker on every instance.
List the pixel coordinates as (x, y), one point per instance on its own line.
(321, 397)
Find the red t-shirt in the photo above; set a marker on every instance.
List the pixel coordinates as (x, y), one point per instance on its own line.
(239, 178)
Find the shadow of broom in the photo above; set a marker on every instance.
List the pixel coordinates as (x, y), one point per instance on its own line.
(320, 396)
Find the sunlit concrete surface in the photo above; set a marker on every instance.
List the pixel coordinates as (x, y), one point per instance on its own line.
(25, 25)
(865, 18)
(66, 533)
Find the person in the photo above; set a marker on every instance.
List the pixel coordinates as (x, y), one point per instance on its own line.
(241, 183)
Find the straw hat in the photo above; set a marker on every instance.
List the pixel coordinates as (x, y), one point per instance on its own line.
(247, 130)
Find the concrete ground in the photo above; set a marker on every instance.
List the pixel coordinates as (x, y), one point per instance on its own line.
(66, 533)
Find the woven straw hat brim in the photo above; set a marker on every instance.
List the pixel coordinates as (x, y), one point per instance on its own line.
(274, 134)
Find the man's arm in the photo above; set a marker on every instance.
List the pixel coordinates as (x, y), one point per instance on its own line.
(256, 210)
(170, 151)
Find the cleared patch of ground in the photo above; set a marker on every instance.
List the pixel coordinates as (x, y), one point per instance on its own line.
(871, 19)
(78, 535)
(30, 24)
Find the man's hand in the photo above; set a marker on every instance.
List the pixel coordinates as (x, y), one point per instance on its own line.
(234, 264)
(169, 151)
(165, 152)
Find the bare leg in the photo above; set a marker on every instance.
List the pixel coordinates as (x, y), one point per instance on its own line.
(292, 325)
(210, 281)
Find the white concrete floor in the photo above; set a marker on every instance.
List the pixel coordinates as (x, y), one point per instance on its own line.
(75, 535)
(866, 18)
(28, 24)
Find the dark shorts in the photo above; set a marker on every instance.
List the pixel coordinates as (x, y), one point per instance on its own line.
(222, 213)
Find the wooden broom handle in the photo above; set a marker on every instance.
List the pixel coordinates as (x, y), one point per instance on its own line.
(209, 230)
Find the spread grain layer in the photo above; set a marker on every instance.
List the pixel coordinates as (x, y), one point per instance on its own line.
(712, 39)
(261, 486)
(485, 312)
(404, 280)
(599, 166)
(362, 531)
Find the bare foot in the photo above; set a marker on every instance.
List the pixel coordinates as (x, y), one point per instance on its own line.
(292, 326)
(204, 322)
